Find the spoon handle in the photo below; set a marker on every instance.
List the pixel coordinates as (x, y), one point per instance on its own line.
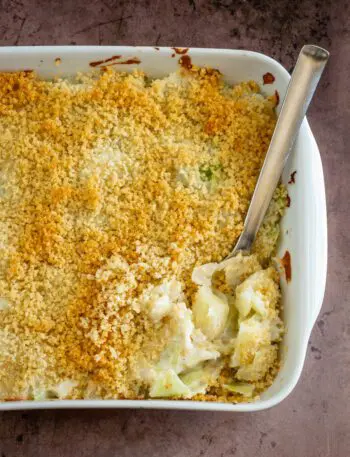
(306, 75)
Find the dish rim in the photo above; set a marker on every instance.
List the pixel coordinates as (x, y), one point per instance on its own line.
(189, 404)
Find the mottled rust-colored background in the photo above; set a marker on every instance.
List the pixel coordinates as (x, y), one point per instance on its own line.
(315, 420)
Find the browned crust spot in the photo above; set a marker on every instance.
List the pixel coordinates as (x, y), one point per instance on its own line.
(58, 61)
(288, 201)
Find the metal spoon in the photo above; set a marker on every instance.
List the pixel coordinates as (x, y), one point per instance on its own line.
(306, 75)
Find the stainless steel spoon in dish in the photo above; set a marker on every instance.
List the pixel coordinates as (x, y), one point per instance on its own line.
(306, 75)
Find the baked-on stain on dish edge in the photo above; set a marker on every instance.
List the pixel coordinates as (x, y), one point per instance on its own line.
(292, 178)
(277, 97)
(185, 62)
(131, 61)
(287, 265)
(288, 201)
(100, 62)
(181, 51)
(268, 78)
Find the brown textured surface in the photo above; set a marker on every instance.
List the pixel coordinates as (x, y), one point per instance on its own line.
(315, 420)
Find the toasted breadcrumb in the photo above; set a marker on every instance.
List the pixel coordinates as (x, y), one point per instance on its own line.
(109, 183)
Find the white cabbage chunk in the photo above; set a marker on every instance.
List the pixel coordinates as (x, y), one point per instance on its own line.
(276, 329)
(64, 388)
(160, 308)
(239, 267)
(188, 346)
(159, 300)
(168, 384)
(258, 292)
(202, 275)
(37, 390)
(226, 341)
(210, 312)
(264, 358)
(199, 378)
(4, 304)
(246, 390)
(254, 352)
(39, 394)
(253, 333)
(236, 269)
(61, 390)
(247, 298)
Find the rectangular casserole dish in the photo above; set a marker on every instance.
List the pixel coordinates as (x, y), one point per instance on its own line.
(304, 226)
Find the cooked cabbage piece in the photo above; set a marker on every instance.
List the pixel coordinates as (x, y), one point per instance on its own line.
(210, 312)
(238, 268)
(255, 352)
(160, 299)
(253, 333)
(202, 275)
(199, 378)
(168, 384)
(243, 389)
(188, 346)
(241, 324)
(259, 292)
(264, 358)
(4, 304)
(61, 390)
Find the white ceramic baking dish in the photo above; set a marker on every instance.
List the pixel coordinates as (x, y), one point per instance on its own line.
(304, 227)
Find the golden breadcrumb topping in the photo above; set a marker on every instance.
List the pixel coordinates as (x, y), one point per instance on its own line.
(110, 182)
